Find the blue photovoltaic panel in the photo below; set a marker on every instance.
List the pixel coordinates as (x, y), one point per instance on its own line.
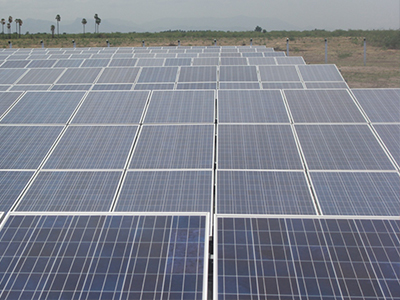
(323, 106)
(255, 192)
(260, 61)
(118, 75)
(7, 99)
(43, 63)
(327, 85)
(198, 74)
(282, 85)
(342, 147)
(239, 86)
(279, 73)
(43, 107)
(238, 73)
(112, 107)
(92, 147)
(112, 87)
(174, 147)
(197, 86)
(274, 54)
(71, 87)
(365, 194)
(292, 60)
(123, 62)
(251, 106)
(178, 61)
(166, 191)
(206, 61)
(71, 191)
(233, 61)
(90, 63)
(380, 105)
(307, 258)
(257, 147)
(251, 54)
(153, 86)
(30, 87)
(9, 76)
(41, 76)
(15, 64)
(103, 257)
(158, 74)
(84, 75)
(24, 147)
(181, 107)
(12, 183)
(320, 73)
(68, 63)
(4, 88)
(149, 62)
(390, 135)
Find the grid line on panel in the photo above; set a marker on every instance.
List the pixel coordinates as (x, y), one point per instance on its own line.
(388, 135)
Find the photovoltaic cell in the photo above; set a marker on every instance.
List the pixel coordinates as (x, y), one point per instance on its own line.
(112, 87)
(257, 147)
(323, 106)
(112, 107)
(24, 147)
(30, 87)
(282, 85)
(84, 75)
(71, 87)
(197, 86)
(238, 73)
(12, 183)
(174, 147)
(7, 99)
(153, 86)
(198, 74)
(206, 61)
(43, 107)
(149, 62)
(255, 192)
(251, 106)
(233, 61)
(342, 147)
(158, 75)
(320, 73)
(239, 85)
(42, 63)
(307, 258)
(90, 63)
(367, 194)
(92, 147)
(292, 60)
(15, 64)
(118, 75)
(41, 76)
(279, 73)
(380, 105)
(71, 191)
(178, 61)
(166, 191)
(181, 107)
(68, 63)
(390, 136)
(9, 76)
(103, 257)
(261, 61)
(327, 85)
(123, 62)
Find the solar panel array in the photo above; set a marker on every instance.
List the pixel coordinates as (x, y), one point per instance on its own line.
(194, 173)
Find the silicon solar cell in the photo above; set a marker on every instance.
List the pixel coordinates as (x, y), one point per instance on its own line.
(112, 107)
(233, 61)
(320, 73)
(198, 74)
(380, 105)
(42, 63)
(251, 106)
(252, 54)
(68, 63)
(327, 85)
(239, 85)
(112, 87)
(206, 61)
(255, 192)
(89, 63)
(274, 54)
(181, 107)
(260, 61)
(9, 76)
(166, 191)
(41, 76)
(24, 147)
(123, 62)
(323, 106)
(118, 75)
(71, 191)
(278, 73)
(12, 183)
(92, 147)
(174, 147)
(307, 258)
(154, 86)
(158, 74)
(7, 99)
(390, 136)
(197, 86)
(80, 75)
(238, 73)
(104, 257)
(366, 194)
(282, 85)
(150, 62)
(15, 64)
(43, 107)
(292, 60)
(30, 87)
(71, 87)
(342, 147)
(257, 147)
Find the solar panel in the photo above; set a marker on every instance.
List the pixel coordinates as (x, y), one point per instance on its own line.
(320, 73)
(197, 86)
(342, 147)
(380, 105)
(279, 73)
(71, 191)
(261, 61)
(198, 74)
(9, 76)
(15, 64)
(174, 147)
(24, 147)
(238, 73)
(112, 107)
(282, 85)
(150, 62)
(7, 99)
(368, 194)
(166, 191)
(118, 75)
(123, 62)
(257, 147)
(239, 85)
(90, 63)
(80, 75)
(327, 85)
(307, 258)
(43, 63)
(206, 61)
(292, 60)
(43, 107)
(104, 257)
(181, 107)
(154, 86)
(255, 192)
(92, 147)
(323, 106)
(112, 87)
(158, 74)
(41, 76)
(12, 183)
(233, 61)
(30, 87)
(68, 63)
(251, 106)
(390, 136)
(178, 61)
(71, 87)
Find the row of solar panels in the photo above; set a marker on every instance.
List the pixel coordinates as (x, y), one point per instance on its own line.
(166, 257)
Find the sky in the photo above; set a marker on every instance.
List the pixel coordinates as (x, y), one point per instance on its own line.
(321, 14)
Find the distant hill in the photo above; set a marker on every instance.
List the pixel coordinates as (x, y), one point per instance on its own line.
(239, 23)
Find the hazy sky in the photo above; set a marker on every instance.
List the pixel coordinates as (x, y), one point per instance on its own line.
(322, 14)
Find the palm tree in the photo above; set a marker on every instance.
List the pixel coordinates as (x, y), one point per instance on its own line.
(58, 18)
(52, 28)
(16, 26)
(10, 19)
(98, 21)
(9, 30)
(95, 22)
(20, 24)
(84, 23)
(3, 22)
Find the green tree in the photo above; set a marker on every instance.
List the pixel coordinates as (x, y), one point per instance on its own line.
(98, 21)
(258, 29)
(20, 22)
(58, 18)
(3, 22)
(52, 28)
(84, 22)
(96, 16)
(9, 30)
